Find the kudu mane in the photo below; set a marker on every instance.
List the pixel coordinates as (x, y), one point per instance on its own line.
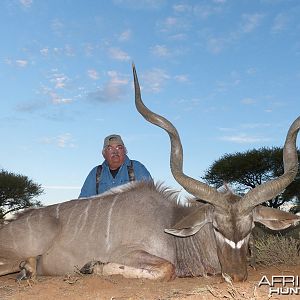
(164, 193)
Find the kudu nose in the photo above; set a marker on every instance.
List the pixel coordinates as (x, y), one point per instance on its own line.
(234, 277)
(239, 277)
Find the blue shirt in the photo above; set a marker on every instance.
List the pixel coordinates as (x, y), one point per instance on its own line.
(107, 181)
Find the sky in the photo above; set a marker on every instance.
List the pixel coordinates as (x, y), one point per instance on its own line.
(225, 73)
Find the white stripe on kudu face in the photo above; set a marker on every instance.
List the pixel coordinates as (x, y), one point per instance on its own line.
(232, 244)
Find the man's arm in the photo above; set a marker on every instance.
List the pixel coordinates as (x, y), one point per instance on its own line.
(141, 172)
(89, 187)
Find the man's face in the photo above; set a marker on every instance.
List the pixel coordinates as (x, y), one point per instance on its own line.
(114, 154)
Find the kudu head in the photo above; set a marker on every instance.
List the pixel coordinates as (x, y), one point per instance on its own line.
(232, 217)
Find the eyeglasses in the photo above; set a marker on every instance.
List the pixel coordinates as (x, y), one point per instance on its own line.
(111, 149)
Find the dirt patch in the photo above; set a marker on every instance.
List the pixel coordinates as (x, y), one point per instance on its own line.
(119, 288)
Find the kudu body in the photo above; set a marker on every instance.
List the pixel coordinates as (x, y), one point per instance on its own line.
(141, 231)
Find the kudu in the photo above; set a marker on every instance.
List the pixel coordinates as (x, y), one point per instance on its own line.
(140, 231)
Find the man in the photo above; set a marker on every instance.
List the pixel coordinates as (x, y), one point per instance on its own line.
(117, 169)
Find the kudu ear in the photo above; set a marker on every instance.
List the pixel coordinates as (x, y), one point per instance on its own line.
(192, 223)
(274, 219)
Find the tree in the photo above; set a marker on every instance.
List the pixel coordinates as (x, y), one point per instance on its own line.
(251, 168)
(17, 192)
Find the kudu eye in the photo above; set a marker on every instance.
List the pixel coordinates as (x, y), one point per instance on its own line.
(216, 229)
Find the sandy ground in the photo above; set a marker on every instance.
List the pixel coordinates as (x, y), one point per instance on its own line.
(116, 287)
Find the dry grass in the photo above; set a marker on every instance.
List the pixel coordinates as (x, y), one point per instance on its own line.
(273, 250)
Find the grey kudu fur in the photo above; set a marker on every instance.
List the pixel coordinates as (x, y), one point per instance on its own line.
(140, 231)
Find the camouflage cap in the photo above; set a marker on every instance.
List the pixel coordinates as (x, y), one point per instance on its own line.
(112, 139)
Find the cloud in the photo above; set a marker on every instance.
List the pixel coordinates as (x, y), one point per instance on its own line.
(89, 49)
(256, 125)
(171, 24)
(160, 51)
(113, 90)
(56, 99)
(268, 110)
(44, 51)
(248, 101)
(26, 3)
(155, 79)
(182, 8)
(182, 78)
(66, 50)
(233, 81)
(248, 23)
(59, 80)
(216, 45)
(251, 71)
(116, 78)
(226, 129)
(204, 11)
(108, 93)
(280, 23)
(47, 95)
(59, 83)
(163, 51)
(64, 140)
(8, 61)
(57, 26)
(251, 21)
(141, 4)
(118, 54)
(31, 106)
(178, 37)
(125, 35)
(189, 104)
(22, 63)
(93, 74)
(69, 50)
(58, 90)
(243, 139)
